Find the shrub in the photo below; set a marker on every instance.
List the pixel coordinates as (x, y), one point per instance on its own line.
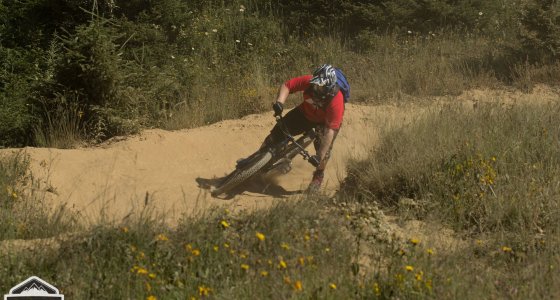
(540, 30)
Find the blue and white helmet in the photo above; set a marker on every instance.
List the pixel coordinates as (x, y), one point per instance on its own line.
(324, 82)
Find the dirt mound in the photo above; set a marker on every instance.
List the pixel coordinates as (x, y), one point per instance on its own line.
(159, 168)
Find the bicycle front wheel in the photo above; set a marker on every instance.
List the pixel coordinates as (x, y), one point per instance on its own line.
(243, 174)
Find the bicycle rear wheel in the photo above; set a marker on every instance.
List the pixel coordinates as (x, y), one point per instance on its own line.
(239, 176)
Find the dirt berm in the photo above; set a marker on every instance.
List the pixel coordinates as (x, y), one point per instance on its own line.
(162, 167)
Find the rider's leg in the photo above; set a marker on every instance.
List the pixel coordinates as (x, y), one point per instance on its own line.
(295, 123)
(319, 174)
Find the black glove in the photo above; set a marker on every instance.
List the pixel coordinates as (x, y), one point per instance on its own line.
(315, 160)
(278, 108)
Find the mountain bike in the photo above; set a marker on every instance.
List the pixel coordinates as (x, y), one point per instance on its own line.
(270, 159)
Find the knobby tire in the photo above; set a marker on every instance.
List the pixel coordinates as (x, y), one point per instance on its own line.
(241, 175)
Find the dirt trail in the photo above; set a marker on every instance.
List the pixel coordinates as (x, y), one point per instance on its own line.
(161, 167)
(117, 177)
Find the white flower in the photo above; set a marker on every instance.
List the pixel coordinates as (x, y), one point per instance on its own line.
(480, 13)
(192, 48)
(249, 44)
(214, 30)
(409, 32)
(206, 33)
(241, 10)
(173, 57)
(237, 41)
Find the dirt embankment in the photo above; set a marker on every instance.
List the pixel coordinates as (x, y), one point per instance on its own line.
(161, 167)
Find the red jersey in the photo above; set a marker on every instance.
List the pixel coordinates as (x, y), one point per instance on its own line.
(331, 116)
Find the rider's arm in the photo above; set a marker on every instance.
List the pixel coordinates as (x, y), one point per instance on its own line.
(283, 93)
(328, 136)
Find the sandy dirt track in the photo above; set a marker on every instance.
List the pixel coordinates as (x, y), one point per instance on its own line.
(116, 178)
(164, 168)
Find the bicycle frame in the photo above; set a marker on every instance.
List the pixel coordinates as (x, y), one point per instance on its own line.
(299, 145)
(276, 157)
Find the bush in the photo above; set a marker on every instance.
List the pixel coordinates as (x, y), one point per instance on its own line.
(540, 30)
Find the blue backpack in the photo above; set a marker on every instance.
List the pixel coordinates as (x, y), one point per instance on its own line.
(343, 84)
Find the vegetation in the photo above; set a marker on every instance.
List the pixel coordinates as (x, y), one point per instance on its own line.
(490, 174)
(75, 71)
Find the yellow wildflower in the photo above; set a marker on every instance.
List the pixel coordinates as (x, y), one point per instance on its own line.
(195, 252)
(506, 249)
(162, 237)
(260, 236)
(430, 251)
(264, 273)
(332, 286)
(419, 275)
(151, 297)
(216, 248)
(142, 271)
(298, 286)
(224, 224)
(414, 241)
(124, 229)
(282, 264)
(409, 268)
(204, 290)
(245, 267)
(429, 284)
(285, 246)
(307, 237)
(376, 289)
(152, 275)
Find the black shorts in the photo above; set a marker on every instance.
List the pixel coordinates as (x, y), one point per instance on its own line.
(295, 122)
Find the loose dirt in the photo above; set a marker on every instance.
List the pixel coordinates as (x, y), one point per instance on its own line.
(163, 168)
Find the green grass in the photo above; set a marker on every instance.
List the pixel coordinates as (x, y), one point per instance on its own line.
(491, 175)
(293, 249)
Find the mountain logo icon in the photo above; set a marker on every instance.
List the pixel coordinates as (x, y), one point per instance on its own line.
(34, 288)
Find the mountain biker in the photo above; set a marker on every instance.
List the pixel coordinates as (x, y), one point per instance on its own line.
(322, 104)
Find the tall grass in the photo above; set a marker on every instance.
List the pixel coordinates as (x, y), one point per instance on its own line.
(290, 250)
(491, 174)
(24, 211)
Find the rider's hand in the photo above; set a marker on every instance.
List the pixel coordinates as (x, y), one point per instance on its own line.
(278, 108)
